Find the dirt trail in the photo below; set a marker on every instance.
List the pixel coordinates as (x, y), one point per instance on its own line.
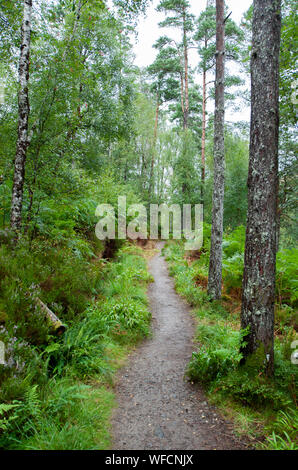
(158, 409)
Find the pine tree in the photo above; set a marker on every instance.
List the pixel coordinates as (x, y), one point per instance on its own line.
(182, 19)
(165, 72)
(205, 36)
(258, 296)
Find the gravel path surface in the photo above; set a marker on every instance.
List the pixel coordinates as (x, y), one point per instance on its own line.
(158, 409)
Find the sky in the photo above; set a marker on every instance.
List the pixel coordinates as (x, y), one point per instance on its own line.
(149, 31)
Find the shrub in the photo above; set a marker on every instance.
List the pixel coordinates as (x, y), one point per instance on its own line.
(284, 433)
(234, 242)
(217, 356)
(128, 315)
(63, 415)
(82, 348)
(286, 277)
(233, 271)
(252, 390)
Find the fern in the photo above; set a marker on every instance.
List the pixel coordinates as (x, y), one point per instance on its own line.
(6, 418)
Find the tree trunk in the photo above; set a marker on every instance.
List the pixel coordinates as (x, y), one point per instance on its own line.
(260, 249)
(215, 264)
(156, 120)
(24, 110)
(182, 98)
(154, 146)
(186, 109)
(203, 137)
(56, 324)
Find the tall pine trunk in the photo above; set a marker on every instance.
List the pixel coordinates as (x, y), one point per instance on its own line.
(260, 248)
(203, 137)
(215, 263)
(185, 46)
(24, 111)
(151, 184)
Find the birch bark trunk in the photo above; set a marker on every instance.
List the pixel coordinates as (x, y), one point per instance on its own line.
(24, 111)
(260, 248)
(215, 263)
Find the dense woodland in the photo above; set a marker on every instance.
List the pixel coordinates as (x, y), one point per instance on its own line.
(81, 124)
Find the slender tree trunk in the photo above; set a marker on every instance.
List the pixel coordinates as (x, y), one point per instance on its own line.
(260, 249)
(156, 118)
(186, 87)
(203, 137)
(154, 146)
(186, 110)
(24, 111)
(182, 98)
(215, 264)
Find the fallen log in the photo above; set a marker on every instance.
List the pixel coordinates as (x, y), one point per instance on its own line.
(57, 325)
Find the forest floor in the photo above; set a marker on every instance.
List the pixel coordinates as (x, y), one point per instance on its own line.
(157, 407)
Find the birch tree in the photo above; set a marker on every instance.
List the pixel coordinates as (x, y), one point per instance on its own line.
(24, 110)
(260, 249)
(215, 263)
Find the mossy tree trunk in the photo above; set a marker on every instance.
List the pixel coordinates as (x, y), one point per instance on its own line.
(260, 248)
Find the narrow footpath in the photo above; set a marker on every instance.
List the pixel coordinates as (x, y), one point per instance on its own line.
(158, 409)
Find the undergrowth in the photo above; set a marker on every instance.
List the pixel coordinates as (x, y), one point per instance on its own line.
(262, 409)
(55, 391)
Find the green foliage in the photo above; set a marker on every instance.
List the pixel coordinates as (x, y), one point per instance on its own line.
(184, 275)
(286, 279)
(218, 355)
(125, 307)
(252, 390)
(216, 361)
(284, 435)
(234, 242)
(186, 172)
(62, 279)
(6, 417)
(100, 128)
(236, 170)
(43, 405)
(127, 315)
(233, 271)
(64, 415)
(81, 349)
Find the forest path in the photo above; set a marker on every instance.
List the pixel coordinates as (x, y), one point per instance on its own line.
(158, 409)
